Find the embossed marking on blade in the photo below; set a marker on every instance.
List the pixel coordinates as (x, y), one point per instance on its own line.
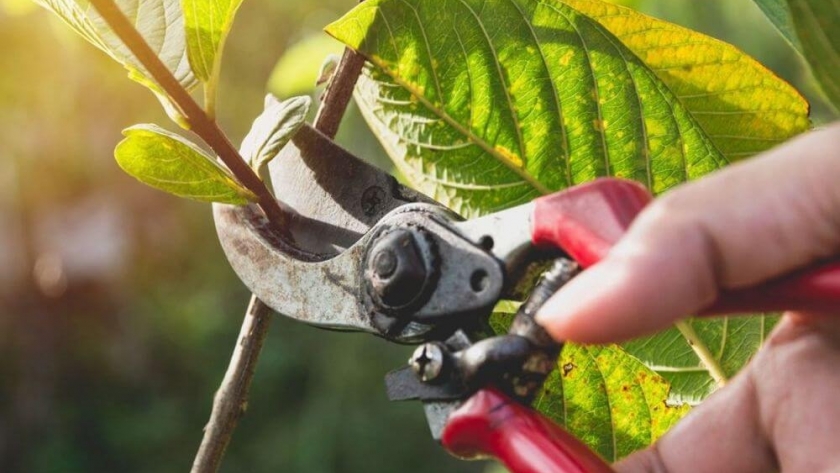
(339, 196)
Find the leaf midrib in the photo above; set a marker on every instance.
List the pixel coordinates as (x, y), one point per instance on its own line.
(500, 72)
(457, 126)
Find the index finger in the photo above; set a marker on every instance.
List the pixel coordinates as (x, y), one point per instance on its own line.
(741, 226)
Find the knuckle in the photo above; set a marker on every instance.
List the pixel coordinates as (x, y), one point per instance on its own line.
(671, 233)
(819, 207)
(645, 461)
(673, 216)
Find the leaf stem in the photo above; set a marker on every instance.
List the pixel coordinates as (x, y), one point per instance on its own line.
(212, 85)
(702, 351)
(210, 99)
(200, 122)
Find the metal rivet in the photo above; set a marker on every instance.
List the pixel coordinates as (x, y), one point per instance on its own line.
(397, 269)
(385, 263)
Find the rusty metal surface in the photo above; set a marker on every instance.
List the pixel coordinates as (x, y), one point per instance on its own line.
(341, 208)
(459, 260)
(337, 197)
(292, 282)
(333, 291)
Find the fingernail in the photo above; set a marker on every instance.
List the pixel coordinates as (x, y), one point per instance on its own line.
(561, 306)
(574, 300)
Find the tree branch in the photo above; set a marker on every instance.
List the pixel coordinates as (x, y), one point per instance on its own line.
(231, 400)
(232, 397)
(335, 100)
(200, 123)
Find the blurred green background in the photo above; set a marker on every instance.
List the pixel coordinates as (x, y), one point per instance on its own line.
(118, 311)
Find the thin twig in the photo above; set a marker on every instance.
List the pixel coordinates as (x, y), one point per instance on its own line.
(339, 92)
(232, 397)
(231, 400)
(200, 123)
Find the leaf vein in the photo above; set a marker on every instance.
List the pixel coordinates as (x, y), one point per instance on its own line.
(499, 69)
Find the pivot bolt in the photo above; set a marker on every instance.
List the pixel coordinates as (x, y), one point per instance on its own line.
(384, 263)
(396, 269)
(427, 361)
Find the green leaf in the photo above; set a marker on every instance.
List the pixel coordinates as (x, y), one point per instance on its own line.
(484, 121)
(731, 342)
(605, 397)
(811, 27)
(298, 69)
(778, 12)
(816, 26)
(207, 25)
(740, 120)
(743, 107)
(485, 105)
(160, 23)
(169, 162)
(609, 400)
(273, 129)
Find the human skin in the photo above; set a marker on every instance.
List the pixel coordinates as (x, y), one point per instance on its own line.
(736, 228)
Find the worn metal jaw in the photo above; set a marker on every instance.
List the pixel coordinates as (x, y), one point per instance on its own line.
(423, 294)
(363, 252)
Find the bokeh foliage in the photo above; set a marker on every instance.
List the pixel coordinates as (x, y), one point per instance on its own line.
(117, 309)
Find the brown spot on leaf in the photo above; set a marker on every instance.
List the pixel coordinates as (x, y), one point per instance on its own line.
(567, 368)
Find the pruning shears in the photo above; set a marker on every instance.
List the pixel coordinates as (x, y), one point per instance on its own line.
(365, 253)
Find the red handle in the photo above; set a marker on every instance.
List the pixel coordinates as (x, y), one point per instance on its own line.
(490, 423)
(587, 220)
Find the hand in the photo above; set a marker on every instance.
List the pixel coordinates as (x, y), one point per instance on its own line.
(736, 228)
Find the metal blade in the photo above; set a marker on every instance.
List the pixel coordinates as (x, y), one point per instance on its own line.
(437, 414)
(337, 197)
(334, 199)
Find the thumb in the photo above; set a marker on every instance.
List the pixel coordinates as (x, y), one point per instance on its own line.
(736, 228)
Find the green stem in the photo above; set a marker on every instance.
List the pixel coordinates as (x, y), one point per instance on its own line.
(200, 122)
(212, 85)
(210, 99)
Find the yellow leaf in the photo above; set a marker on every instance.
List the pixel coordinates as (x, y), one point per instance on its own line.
(743, 107)
(17, 7)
